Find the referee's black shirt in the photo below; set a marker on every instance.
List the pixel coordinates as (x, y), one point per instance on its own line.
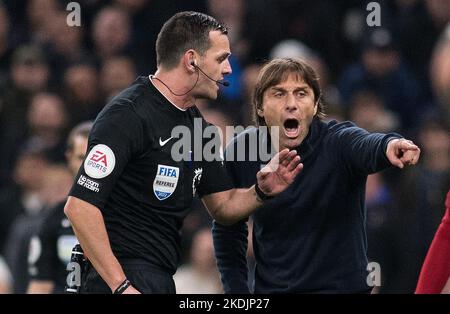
(130, 175)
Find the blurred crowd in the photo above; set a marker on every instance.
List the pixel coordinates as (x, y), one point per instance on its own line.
(395, 77)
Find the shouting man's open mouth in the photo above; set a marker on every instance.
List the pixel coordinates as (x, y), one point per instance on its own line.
(291, 127)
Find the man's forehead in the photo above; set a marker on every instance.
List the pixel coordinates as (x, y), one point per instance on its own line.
(291, 80)
(219, 41)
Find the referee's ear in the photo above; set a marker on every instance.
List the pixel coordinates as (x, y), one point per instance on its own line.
(190, 61)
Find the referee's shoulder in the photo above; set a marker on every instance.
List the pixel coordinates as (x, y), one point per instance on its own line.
(130, 97)
(128, 100)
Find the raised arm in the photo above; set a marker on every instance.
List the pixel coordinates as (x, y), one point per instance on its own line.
(233, 205)
(367, 153)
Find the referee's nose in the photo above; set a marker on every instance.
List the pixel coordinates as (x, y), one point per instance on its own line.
(226, 70)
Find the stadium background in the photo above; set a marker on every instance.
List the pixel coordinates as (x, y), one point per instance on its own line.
(395, 77)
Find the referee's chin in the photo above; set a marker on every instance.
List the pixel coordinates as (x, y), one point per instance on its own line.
(212, 95)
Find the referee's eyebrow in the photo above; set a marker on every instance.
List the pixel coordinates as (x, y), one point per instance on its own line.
(224, 56)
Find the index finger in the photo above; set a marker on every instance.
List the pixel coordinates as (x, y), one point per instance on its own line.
(407, 145)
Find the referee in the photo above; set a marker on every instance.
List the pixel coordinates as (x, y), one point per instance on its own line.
(130, 196)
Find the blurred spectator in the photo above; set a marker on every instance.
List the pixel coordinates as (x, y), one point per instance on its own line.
(66, 41)
(439, 11)
(56, 186)
(380, 207)
(22, 195)
(379, 201)
(147, 18)
(423, 20)
(200, 275)
(221, 120)
(440, 73)
(197, 219)
(47, 267)
(251, 36)
(65, 46)
(40, 15)
(232, 13)
(5, 49)
(81, 88)
(420, 195)
(47, 121)
(29, 69)
(381, 70)
(29, 74)
(315, 23)
(368, 112)
(116, 74)
(111, 32)
(5, 277)
(249, 78)
(57, 181)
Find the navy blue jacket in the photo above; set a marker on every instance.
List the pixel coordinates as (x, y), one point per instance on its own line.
(311, 238)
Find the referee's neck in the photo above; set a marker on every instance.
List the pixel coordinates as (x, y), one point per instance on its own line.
(175, 87)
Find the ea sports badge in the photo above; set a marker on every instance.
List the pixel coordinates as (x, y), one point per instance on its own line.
(165, 182)
(100, 162)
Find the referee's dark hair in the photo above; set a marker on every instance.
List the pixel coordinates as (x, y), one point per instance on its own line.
(184, 31)
(278, 70)
(83, 129)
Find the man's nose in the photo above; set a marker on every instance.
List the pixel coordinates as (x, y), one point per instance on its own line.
(291, 104)
(227, 68)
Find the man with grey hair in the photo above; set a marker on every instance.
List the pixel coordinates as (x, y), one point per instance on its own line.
(311, 238)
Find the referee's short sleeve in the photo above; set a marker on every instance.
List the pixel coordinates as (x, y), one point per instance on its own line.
(115, 136)
(215, 177)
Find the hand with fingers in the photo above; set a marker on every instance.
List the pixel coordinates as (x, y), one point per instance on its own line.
(402, 152)
(279, 173)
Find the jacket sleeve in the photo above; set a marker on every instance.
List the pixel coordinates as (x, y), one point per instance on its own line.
(362, 152)
(230, 242)
(230, 246)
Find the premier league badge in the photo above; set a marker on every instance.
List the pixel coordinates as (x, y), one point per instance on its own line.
(165, 181)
